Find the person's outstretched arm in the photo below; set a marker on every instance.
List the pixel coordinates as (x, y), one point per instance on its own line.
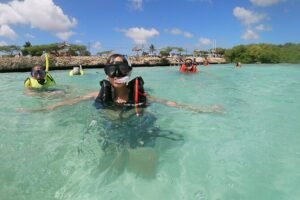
(76, 100)
(198, 109)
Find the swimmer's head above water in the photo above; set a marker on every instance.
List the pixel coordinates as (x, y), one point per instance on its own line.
(118, 69)
(38, 73)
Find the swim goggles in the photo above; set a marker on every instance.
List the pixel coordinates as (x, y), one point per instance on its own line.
(117, 70)
(39, 73)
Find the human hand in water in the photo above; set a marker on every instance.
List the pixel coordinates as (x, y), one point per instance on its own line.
(171, 103)
(201, 109)
(198, 109)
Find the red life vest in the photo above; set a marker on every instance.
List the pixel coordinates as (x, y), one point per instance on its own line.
(183, 68)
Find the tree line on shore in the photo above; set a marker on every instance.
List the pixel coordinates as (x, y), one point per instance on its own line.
(251, 53)
(264, 53)
(56, 49)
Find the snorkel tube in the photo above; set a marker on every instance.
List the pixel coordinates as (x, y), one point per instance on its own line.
(128, 61)
(47, 62)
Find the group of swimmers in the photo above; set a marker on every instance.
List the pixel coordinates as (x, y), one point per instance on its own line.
(40, 77)
(116, 90)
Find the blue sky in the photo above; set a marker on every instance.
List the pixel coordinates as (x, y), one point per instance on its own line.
(119, 25)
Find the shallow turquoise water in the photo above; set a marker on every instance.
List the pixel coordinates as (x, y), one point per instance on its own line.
(250, 151)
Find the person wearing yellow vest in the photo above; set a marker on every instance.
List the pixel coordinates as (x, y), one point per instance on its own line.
(76, 71)
(39, 78)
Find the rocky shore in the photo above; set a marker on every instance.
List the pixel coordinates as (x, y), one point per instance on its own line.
(22, 63)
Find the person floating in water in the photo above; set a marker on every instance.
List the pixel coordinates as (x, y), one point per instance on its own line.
(206, 61)
(117, 89)
(188, 66)
(238, 64)
(39, 78)
(76, 71)
(41, 82)
(128, 141)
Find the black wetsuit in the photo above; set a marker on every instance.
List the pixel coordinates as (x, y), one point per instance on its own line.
(106, 97)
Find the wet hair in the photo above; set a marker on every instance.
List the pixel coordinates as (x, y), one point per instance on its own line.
(188, 59)
(111, 59)
(33, 69)
(39, 66)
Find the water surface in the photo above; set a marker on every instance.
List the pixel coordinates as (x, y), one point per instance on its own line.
(250, 151)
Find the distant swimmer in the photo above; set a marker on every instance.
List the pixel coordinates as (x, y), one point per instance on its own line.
(206, 62)
(188, 66)
(76, 71)
(39, 78)
(238, 64)
(39, 82)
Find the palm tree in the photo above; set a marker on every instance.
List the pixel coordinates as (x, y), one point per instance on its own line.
(27, 44)
(180, 50)
(152, 49)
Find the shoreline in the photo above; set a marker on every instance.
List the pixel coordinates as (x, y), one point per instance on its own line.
(24, 63)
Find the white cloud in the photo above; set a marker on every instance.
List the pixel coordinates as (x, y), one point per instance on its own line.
(187, 34)
(140, 35)
(28, 35)
(247, 17)
(2, 43)
(44, 15)
(6, 31)
(205, 41)
(64, 35)
(97, 45)
(9, 15)
(78, 41)
(250, 35)
(265, 3)
(177, 31)
(263, 27)
(136, 4)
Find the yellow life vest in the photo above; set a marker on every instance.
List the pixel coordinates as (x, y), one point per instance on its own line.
(31, 82)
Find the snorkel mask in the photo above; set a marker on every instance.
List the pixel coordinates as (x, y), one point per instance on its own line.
(188, 63)
(39, 75)
(119, 70)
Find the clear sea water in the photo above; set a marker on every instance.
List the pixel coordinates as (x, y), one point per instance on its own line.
(249, 151)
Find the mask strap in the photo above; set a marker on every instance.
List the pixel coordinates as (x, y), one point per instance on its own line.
(129, 63)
